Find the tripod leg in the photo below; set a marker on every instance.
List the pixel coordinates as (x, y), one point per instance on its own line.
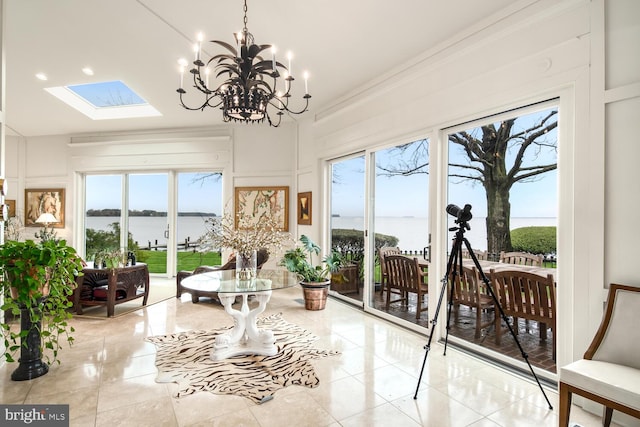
(456, 248)
(504, 317)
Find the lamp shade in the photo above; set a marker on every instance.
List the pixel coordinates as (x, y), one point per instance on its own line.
(46, 218)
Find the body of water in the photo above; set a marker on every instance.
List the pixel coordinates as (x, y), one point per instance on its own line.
(412, 232)
(150, 229)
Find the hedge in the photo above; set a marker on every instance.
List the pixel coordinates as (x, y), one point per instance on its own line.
(535, 240)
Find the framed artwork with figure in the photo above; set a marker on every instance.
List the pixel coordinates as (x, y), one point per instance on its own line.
(254, 203)
(11, 208)
(304, 208)
(44, 200)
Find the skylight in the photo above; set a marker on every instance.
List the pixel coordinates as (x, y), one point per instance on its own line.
(104, 100)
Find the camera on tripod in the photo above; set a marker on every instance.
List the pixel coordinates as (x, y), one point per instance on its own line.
(462, 215)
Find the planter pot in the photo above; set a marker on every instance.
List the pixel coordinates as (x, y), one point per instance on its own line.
(30, 363)
(346, 280)
(315, 294)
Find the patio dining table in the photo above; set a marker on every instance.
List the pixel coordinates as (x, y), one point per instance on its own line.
(502, 266)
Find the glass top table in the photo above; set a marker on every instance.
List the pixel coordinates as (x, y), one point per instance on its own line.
(224, 281)
(244, 337)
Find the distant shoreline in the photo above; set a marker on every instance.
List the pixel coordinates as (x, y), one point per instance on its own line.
(144, 213)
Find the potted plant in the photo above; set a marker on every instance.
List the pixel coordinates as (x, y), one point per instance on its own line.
(38, 279)
(344, 272)
(314, 279)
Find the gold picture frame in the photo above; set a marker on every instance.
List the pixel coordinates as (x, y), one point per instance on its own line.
(254, 202)
(41, 200)
(11, 208)
(304, 208)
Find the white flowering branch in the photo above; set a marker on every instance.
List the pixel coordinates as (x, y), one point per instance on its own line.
(221, 233)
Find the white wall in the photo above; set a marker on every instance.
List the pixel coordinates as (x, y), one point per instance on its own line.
(546, 50)
(248, 156)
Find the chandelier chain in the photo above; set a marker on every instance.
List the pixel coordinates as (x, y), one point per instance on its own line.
(245, 29)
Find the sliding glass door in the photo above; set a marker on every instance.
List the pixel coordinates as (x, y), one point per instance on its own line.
(199, 202)
(400, 204)
(347, 224)
(505, 168)
(147, 219)
(159, 216)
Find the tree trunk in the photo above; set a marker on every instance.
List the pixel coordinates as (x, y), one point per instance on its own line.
(498, 219)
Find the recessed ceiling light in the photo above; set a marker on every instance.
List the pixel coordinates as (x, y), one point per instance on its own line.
(88, 71)
(41, 76)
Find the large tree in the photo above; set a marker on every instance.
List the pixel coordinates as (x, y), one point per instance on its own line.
(497, 155)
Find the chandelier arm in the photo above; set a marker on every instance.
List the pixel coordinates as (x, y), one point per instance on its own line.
(285, 106)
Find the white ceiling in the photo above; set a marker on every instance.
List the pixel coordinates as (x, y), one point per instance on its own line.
(344, 44)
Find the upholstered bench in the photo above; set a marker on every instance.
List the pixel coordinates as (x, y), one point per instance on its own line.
(111, 286)
(610, 371)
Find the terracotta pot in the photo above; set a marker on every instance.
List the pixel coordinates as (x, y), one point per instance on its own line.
(315, 294)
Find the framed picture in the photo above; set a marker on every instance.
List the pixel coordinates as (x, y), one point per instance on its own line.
(44, 200)
(11, 208)
(255, 202)
(304, 208)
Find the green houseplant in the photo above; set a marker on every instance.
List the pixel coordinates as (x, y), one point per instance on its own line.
(38, 280)
(314, 279)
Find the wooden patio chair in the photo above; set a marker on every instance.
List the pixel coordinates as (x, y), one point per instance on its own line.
(522, 258)
(405, 275)
(609, 373)
(481, 255)
(382, 253)
(529, 296)
(470, 291)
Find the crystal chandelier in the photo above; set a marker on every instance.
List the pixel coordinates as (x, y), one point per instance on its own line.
(252, 88)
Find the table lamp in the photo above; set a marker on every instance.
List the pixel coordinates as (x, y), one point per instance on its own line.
(45, 234)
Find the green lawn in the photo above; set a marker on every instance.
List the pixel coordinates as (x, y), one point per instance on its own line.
(157, 260)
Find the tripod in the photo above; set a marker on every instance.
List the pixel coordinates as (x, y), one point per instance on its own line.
(454, 267)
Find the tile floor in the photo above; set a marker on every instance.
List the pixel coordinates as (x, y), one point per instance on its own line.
(107, 377)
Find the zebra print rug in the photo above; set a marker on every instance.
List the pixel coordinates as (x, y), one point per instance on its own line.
(183, 358)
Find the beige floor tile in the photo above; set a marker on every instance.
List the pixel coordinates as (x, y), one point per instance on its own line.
(525, 414)
(389, 382)
(151, 413)
(433, 408)
(108, 376)
(213, 408)
(294, 409)
(383, 415)
(477, 394)
(83, 402)
(346, 397)
(125, 392)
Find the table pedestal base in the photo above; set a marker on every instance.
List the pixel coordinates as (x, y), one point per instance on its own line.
(245, 337)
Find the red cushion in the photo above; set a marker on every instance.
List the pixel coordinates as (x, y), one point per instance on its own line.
(101, 293)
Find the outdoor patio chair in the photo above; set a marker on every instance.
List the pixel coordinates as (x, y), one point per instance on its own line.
(405, 275)
(529, 296)
(609, 373)
(522, 258)
(382, 253)
(470, 291)
(481, 255)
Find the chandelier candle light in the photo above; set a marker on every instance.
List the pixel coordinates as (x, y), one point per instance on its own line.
(250, 90)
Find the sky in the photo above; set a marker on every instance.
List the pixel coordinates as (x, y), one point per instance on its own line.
(396, 196)
(150, 191)
(408, 195)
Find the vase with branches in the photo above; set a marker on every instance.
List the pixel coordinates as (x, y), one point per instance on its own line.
(245, 239)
